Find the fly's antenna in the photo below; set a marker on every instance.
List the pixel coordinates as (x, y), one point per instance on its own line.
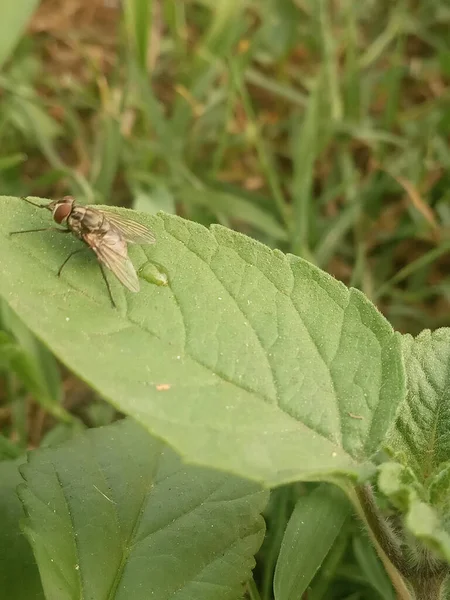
(33, 203)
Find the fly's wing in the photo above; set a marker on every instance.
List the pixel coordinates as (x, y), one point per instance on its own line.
(132, 232)
(115, 257)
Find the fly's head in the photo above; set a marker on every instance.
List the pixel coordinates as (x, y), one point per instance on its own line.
(61, 209)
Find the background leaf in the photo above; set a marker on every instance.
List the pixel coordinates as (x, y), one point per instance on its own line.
(237, 208)
(372, 567)
(311, 531)
(19, 576)
(14, 17)
(115, 513)
(35, 366)
(246, 348)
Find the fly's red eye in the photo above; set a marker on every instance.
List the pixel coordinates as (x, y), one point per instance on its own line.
(61, 212)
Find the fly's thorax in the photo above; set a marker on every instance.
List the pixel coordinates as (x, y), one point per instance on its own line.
(84, 220)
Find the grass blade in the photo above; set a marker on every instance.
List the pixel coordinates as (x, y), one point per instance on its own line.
(14, 17)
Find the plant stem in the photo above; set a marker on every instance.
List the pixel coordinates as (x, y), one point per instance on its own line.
(429, 589)
(383, 538)
(424, 580)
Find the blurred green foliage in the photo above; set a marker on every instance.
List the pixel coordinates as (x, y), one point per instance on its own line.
(318, 127)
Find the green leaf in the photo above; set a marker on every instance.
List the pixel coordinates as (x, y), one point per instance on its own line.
(246, 348)
(14, 17)
(33, 364)
(237, 208)
(312, 529)
(399, 485)
(304, 149)
(425, 524)
(19, 576)
(279, 32)
(324, 582)
(116, 514)
(108, 146)
(159, 197)
(30, 116)
(12, 160)
(138, 25)
(227, 25)
(439, 490)
(422, 432)
(8, 449)
(372, 567)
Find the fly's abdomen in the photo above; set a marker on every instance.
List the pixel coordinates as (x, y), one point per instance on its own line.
(115, 242)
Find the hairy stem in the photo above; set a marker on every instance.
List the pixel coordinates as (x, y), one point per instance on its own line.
(383, 538)
(422, 579)
(429, 589)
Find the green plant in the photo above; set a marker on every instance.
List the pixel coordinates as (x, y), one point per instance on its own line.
(249, 361)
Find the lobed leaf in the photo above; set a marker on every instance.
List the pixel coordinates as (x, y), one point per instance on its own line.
(250, 361)
(19, 575)
(115, 514)
(422, 520)
(422, 433)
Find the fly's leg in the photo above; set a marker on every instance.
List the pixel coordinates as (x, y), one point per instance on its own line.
(41, 229)
(101, 269)
(107, 285)
(68, 258)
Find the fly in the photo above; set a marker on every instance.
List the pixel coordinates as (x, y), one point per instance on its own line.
(104, 232)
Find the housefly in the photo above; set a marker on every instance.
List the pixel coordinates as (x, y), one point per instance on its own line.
(103, 231)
